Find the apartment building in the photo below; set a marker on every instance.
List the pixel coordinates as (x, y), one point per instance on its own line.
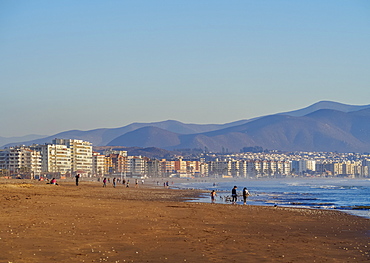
(203, 169)
(98, 164)
(303, 166)
(361, 171)
(234, 168)
(153, 168)
(220, 168)
(119, 163)
(3, 159)
(81, 155)
(180, 166)
(167, 167)
(193, 168)
(21, 160)
(136, 166)
(55, 158)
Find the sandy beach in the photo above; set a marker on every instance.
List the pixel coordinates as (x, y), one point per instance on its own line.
(89, 223)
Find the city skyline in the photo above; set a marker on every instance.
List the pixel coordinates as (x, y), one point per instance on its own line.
(70, 157)
(90, 64)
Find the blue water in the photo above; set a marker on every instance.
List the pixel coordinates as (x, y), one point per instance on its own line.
(348, 195)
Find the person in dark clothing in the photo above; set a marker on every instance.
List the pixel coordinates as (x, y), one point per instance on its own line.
(213, 196)
(234, 195)
(77, 178)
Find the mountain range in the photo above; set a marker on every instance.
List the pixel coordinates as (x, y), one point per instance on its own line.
(12, 140)
(323, 126)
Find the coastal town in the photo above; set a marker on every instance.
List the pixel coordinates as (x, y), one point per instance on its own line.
(65, 158)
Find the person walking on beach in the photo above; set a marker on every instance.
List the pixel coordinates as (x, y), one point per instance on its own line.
(77, 178)
(213, 196)
(114, 182)
(245, 195)
(234, 195)
(105, 182)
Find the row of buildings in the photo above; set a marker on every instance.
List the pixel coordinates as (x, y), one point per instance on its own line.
(61, 157)
(67, 157)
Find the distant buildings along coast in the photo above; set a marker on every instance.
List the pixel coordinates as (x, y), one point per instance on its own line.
(65, 158)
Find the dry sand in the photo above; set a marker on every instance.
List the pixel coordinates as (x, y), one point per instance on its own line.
(89, 223)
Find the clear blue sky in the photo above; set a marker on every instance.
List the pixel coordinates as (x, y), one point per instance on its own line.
(92, 64)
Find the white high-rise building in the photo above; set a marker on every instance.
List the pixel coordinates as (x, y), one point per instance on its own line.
(55, 158)
(21, 160)
(98, 164)
(81, 155)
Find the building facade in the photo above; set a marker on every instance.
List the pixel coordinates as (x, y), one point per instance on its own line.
(81, 155)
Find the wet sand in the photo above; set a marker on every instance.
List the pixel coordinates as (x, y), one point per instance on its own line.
(89, 223)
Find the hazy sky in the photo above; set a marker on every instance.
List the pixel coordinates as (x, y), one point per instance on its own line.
(102, 64)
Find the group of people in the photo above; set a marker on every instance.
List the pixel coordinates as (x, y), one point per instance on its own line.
(234, 195)
(115, 181)
(54, 181)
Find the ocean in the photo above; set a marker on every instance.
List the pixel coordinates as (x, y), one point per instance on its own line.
(347, 195)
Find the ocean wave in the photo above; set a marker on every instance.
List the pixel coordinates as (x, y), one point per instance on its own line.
(351, 196)
(355, 207)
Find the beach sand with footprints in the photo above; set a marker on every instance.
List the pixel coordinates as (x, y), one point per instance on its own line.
(89, 223)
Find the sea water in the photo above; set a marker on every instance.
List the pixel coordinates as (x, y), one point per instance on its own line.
(348, 195)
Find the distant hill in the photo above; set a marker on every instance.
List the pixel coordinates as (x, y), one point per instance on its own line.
(7, 140)
(315, 132)
(100, 137)
(327, 105)
(147, 137)
(323, 126)
(151, 152)
(323, 130)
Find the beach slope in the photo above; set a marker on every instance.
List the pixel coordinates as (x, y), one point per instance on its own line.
(89, 223)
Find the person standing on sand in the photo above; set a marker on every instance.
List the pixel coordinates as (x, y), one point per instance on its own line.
(77, 178)
(245, 195)
(234, 195)
(213, 196)
(105, 182)
(114, 182)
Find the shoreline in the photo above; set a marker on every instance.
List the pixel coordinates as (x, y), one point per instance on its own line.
(280, 199)
(89, 223)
